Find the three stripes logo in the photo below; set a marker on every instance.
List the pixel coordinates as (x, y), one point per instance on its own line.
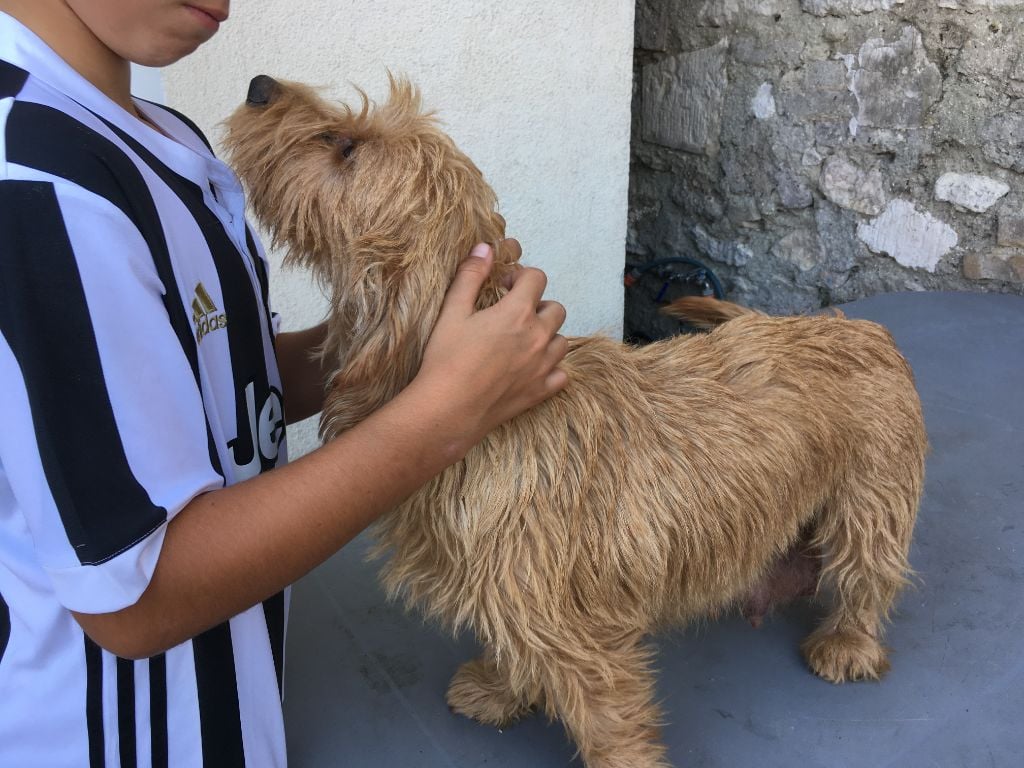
(205, 315)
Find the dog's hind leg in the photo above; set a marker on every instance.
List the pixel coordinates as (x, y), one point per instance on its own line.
(864, 532)
(479, 690)
(605, 699)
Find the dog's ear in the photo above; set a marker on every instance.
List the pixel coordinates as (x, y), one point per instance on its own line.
(404, 105)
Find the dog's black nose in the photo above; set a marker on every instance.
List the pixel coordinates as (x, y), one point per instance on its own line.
(261, 90)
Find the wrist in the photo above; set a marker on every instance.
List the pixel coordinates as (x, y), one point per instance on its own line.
(445, 430)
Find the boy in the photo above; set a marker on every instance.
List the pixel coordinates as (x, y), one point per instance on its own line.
(148, 523)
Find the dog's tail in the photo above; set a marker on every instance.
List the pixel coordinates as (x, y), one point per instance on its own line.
(706, 312)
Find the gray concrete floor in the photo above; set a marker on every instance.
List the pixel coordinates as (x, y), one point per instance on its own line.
(365, 682)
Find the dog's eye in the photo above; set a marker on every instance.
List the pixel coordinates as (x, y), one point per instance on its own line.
(342, 144)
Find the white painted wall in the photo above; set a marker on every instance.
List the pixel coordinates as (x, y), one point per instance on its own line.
(536, 92)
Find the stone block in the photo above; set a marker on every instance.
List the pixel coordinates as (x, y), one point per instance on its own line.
(847, 7)
(970, 190)
(831, 134)
(801, 99)
(913, 238)
(835, 30)
(1003, 141)
(995, 265)
(731, 253)
(719, 13)
(800, 248)
(963, 115)
(742, 209)
(895, 84)
(682, 99)
(837, 236)
(1011, 230)
(652, 23)
(851, 187)
(973, 6)
(811, 158)
(825, 76)
(793, 191)
(765, 50)
(982, 58)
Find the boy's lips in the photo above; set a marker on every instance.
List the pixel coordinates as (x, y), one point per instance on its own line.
(215, 15)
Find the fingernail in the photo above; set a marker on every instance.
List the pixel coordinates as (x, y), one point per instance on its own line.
(480, 250)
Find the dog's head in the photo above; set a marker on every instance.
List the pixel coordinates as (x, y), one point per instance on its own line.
(381, 188)
(378, 202)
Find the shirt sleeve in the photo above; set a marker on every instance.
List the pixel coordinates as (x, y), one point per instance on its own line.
(105, 437)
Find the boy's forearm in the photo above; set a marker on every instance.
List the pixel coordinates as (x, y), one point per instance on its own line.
(230, 549)
(302, 375)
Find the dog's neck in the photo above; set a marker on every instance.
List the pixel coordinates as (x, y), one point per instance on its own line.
(377, 332)
(391, 284)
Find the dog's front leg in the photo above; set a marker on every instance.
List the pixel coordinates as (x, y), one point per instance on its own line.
(605, 698)
(481, 691)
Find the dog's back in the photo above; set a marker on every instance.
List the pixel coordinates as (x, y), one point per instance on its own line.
(679, 470)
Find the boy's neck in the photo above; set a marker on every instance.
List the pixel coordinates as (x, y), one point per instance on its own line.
(60, 28)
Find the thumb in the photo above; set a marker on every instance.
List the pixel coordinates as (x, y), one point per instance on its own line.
(469, 279)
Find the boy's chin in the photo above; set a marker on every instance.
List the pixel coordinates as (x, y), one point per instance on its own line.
(170, 52)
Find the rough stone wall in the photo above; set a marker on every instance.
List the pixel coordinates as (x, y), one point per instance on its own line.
(817, 151)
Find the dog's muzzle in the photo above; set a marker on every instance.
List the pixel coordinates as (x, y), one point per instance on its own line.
(261, 90)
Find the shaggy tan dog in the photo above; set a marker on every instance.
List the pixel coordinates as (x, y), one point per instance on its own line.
(664, 483)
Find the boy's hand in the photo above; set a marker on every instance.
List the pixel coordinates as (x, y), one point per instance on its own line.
(491, 365)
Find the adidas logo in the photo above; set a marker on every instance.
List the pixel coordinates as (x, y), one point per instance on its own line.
(204, 314)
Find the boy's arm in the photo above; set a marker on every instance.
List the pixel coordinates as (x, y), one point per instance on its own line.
(302, 374)
(231, 548)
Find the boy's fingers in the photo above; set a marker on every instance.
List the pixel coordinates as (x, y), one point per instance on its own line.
(512, 247)
(552, 314)
(556, 381)
(528, 284)
(469, 278)
(557, 349)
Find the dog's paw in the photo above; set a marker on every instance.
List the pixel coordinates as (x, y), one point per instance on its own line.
(477, 693)
(846, 655)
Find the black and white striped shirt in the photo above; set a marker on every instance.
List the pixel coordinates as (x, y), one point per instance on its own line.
(137, 370)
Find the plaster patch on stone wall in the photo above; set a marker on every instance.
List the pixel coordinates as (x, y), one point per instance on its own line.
(913, 238)
(970, 190)
(682, 99)
(763, 103)
(895, 84)
(847, 7)
(852, 188)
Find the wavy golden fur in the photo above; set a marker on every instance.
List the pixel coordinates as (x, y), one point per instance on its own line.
(665, 483)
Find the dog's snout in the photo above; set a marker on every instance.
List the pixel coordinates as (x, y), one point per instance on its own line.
(261, 90)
